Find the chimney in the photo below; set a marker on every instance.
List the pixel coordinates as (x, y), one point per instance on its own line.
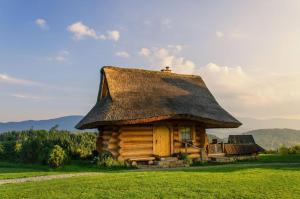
(166, 70)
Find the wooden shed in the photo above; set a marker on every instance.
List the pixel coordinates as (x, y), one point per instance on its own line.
(242, 145)
(142, 115)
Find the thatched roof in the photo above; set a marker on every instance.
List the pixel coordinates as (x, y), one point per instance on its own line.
(143, 96)
(242, 149)
(241, 139)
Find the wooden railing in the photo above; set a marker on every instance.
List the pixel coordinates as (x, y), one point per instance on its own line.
(187, 143)
(216, 148)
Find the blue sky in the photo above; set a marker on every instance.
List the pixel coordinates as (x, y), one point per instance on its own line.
(51, 52)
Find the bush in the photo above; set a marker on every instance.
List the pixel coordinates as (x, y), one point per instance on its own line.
(283, 150)
(106, 160)
(269, 152)
(57, 157)
(10, 150)
(33, 146)
(294, 149)
(1, 150)
(185, 158)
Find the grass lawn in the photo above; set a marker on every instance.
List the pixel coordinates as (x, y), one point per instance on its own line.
(240, 180)
(232, 181)
(272, 158)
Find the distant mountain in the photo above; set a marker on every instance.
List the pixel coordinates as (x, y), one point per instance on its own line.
(250, 124)
(64, 123)
(273, 138)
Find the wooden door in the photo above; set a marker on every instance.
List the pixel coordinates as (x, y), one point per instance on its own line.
(161, 141)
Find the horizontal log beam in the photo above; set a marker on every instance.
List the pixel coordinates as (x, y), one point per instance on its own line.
(136, 145)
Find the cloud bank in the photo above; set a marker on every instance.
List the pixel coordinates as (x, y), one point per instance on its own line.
(81, 31)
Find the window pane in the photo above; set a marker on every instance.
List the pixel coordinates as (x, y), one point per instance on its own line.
(185, 133)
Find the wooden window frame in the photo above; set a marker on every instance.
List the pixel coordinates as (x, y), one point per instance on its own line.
(191, 126)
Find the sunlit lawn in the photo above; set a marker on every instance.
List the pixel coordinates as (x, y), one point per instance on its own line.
(232, 181)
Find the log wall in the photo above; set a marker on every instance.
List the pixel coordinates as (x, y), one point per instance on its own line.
(108, 141)
(136, 143)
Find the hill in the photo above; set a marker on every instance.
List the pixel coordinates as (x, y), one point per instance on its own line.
(273, 138)
(250, 124)
(64, 123)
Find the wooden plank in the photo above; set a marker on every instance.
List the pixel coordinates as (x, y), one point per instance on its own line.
(134, 129)
(133, 151)
(136, 133)
(137, 152)
(172, 140)
(110, 146)
(140, 158)
(194, 155)
(136, 158)
(189, 150)
(137, 145)
(123, 135)
(142, 138)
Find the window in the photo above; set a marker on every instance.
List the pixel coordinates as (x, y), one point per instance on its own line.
(185, 133)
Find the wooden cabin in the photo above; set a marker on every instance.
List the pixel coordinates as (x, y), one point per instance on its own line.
(142, 115)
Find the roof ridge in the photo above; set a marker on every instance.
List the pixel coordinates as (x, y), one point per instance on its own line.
(149, 71)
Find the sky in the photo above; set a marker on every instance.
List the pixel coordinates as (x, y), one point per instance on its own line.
(51, 52)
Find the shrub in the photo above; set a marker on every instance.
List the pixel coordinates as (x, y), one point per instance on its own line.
(57, 157)
(33, 146)
(294, 149)
(1, 150)
(271, 151)
(185, 158)
(9, 150)
(283, 150)
(106, 160)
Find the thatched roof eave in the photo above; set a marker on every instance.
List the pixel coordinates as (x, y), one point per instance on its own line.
(208, 123)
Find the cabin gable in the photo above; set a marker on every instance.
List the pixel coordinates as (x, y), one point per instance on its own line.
(104, 89)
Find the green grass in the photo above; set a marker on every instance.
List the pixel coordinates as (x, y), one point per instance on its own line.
(240, 180)
(232, 181)
(17, 170)
(274, 158)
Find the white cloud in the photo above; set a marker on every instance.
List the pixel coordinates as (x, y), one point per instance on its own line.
(25, 96)
(81, 31)
(249, 91)
(233, 35)
(42, 23)
(123, 54)
(219, 34)
(113, 35)
(168, 57)
(13, 80)
(61, 56)
(145, 52)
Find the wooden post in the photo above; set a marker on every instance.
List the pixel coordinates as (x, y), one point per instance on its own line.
(223, 147)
